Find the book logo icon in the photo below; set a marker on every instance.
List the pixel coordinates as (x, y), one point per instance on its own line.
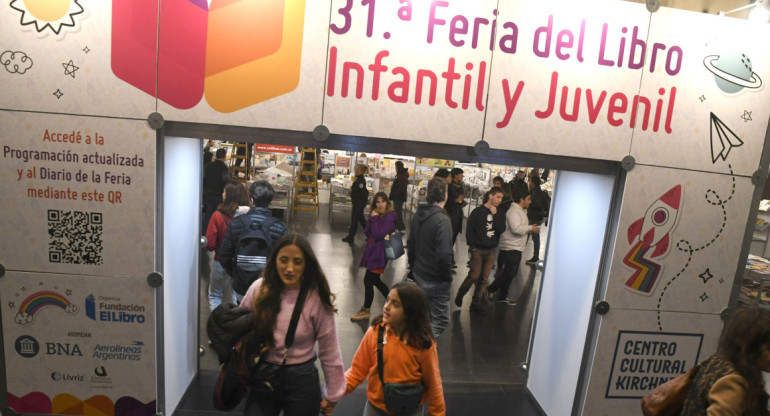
(235, 52)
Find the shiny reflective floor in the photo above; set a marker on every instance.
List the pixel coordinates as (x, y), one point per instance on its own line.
(479, 354)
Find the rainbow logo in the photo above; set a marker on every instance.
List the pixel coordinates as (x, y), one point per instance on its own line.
(38, 301)
(235, 52)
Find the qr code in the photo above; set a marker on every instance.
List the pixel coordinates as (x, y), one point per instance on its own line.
(76, 237)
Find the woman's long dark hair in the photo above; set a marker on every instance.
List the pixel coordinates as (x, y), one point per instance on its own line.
(235, 195)
(384, 196)
(741, 344)
(417, 315)
(268, 301)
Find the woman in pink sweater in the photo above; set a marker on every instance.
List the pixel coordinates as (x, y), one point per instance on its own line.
(293, 266)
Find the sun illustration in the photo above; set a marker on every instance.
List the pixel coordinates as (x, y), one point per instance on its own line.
(48, 14)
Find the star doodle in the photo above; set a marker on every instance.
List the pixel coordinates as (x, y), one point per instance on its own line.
(703, 297)
(58, 94)
(40, 284)
(68, 292)
(23, 288)
(70, 68)
(86, 50)
(721, 280)
(706, 276)
(746, 116)
(702, 98)
(11, 305)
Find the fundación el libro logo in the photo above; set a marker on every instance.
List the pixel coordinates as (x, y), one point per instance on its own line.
(111, 309)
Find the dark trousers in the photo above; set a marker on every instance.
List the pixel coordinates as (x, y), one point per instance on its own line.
(481, 264)
(535, 240)
(356, 217)
(507, 267)
(398, 206)
(456, 219)
(372, 280)
(300, 396)
(210, 204)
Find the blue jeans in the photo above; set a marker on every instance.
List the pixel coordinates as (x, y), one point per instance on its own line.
(438, 301)
(217, 285)
(300, 396)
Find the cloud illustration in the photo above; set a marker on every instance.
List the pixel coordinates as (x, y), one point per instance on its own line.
(16, 62)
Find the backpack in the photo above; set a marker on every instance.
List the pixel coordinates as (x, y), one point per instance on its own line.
(251, 253)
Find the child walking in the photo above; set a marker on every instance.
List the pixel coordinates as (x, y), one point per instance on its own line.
(408, 354)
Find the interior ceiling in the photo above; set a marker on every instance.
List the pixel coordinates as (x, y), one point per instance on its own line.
(709, 6)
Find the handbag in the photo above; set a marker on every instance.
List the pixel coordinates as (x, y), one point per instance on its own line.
(394, 246)
(400, 399)
(267, 378)
(668, 398)
(246, 366)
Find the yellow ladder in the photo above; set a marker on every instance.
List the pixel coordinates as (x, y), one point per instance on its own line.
(245, 166)
(306, 183)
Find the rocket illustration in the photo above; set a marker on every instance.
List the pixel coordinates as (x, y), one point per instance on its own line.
(649, 237)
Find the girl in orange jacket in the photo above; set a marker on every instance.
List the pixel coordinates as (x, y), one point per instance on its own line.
(409, 353)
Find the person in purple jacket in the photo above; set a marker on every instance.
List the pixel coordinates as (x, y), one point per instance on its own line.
(382, 222)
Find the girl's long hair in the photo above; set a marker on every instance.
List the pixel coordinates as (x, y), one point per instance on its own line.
(742, 342)
(384, 197)
(235, 196)
(268, 300)
(416, 314)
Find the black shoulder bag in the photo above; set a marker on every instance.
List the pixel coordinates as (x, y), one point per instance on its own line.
(245, 366)
(401, 399)
(267, 378)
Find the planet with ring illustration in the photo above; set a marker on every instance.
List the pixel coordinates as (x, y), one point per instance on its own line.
(732, 72)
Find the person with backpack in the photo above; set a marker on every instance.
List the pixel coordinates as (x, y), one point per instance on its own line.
(236, 202)
(294, 310)
(382, 222)
(249, 239)
(398, 355)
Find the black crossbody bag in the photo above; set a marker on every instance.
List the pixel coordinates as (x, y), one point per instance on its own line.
(267, 378)
(401, 399)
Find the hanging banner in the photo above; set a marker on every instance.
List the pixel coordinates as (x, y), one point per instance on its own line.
(78, 345)
(83, 192)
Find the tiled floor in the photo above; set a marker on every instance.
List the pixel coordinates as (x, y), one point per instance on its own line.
(479, 355)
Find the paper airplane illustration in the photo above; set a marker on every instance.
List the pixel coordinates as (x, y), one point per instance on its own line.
(723, 141)
(649, 239)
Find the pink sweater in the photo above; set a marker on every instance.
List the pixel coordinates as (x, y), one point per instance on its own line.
(315, 324)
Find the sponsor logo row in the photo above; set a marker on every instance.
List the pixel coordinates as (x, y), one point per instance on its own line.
(28, 347)
(97, 308)
(98, 378)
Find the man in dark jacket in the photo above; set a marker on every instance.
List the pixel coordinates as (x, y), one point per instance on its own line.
(535, 214)
(481, 233)
(359, 196)
(261, 194)
(215, 177)
(455, 202)
(398, 194)
(430, 254)
(519, 183)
